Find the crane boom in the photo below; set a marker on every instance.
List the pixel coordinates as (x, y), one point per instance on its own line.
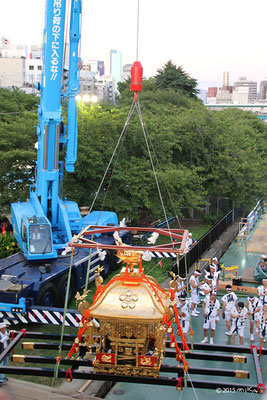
(55, 219)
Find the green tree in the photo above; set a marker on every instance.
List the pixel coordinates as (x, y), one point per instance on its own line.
(18, 120)
(133, 189)
(171, 77)
(199, 152)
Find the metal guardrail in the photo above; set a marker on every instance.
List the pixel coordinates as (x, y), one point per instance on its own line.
(204, 243)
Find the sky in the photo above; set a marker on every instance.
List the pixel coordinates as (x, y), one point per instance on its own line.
(206, 37)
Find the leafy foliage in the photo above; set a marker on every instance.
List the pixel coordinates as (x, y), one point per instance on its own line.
(7, 245)
(18, 119)
(171, 77)
(196, 152)
(133, 190)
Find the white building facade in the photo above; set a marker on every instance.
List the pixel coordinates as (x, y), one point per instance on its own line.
(252, 88)
(12, 72)
(93, 84)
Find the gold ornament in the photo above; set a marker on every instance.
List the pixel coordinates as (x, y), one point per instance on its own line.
(98, 280)
(173, 284)
(83, 305)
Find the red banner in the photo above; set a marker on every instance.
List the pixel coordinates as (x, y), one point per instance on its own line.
(105, 358)
(147, 361)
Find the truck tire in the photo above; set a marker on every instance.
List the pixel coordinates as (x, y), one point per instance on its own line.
(47, 295)
(62, 287)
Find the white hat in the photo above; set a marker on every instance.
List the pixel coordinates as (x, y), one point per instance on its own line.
(189, 234)
(2, 325)
(214, 259)
(196, 272)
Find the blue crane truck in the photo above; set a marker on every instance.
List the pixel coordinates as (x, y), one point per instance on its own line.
(45, 223)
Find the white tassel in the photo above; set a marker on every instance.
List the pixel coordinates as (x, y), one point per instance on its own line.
(66, 251)
(153, 238)
(146, 256)
(123, 222)
(117, 237)
(102, 254)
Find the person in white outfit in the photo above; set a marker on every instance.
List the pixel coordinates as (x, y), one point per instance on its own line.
(229, 302)
(239, 314)
(211, 314)
(263, 325)
(253, 305)
(181, 288)
(184, 316)
(214, 275)
(262, 292)
(215, 265)
(190, 241)
(36, 234)
(208, 286)
(194, 286)
(4, 341)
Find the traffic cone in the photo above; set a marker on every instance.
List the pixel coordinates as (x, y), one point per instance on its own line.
(4, 229)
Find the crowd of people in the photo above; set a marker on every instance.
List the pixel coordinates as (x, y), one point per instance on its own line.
(233, 311)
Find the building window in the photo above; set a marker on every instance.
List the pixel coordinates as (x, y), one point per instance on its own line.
(31, 67)
(39, 68)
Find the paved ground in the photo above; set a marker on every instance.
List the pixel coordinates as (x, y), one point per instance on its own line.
(258, 242)
(21, 390)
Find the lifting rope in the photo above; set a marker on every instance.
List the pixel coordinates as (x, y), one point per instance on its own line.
(135, 86)
(137, 30)
(152, 164)
(165, 184)
(135, 105)
(192, 385)
(121, 138)
(119, 142)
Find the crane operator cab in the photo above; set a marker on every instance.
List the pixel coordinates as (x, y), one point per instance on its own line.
(40, 239)
(36, 238)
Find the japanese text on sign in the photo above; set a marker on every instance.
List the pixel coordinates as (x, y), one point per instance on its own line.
(56, 35)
